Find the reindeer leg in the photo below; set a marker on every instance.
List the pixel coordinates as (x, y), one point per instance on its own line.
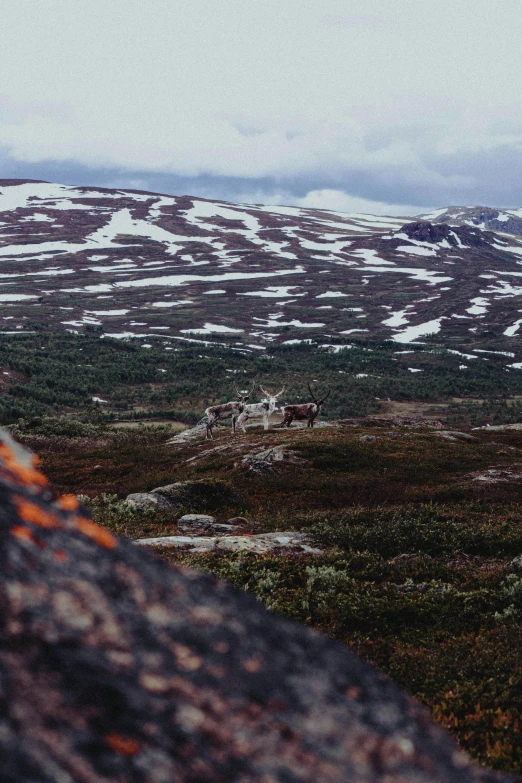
(290, 418)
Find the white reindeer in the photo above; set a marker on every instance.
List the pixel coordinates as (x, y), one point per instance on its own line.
(256, 410)
(227, 410)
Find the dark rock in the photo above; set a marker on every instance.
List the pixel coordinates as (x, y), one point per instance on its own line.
(115, 667)
(199, 495)
(455, 236)
(238, 521)
(192, 522)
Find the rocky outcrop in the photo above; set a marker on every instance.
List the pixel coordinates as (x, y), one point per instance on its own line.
(261, 543)
(195, 523)
(499, 474)
(265, 461)
(196, 495)
(456, 236)
(199, 495)
(115, 667)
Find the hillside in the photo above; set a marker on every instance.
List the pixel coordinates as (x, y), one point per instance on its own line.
(419, 531)
(177, 269)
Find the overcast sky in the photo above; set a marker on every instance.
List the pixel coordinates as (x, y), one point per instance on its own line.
(358, 105)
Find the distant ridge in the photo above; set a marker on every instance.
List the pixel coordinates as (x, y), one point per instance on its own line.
(134, 264)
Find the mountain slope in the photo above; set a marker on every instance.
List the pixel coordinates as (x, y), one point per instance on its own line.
(133, 263)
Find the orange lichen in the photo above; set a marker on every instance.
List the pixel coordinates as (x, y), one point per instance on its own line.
(253, 665)
(124, 745)
(97, 533)
(31, 512)
(68, 502)
(22, 533)
(60, 556)
(24, 475)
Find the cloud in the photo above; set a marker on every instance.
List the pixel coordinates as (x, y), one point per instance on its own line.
(401, 103)
(339, 201)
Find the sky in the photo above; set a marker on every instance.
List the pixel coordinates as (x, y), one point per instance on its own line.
(383, 106)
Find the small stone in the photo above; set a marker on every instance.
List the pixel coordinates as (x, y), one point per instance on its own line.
(220, 527)
(196, 522)
(367, 437)
(516, 563)
(238, 521)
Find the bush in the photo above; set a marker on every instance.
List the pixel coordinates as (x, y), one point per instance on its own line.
(56, 426)
(391, 532)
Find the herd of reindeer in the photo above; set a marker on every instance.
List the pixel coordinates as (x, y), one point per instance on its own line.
(240, 412)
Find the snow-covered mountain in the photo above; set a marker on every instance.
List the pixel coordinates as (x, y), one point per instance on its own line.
(507, 221)
(133, 263)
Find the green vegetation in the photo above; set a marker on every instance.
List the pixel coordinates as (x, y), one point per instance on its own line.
(416, 572)
(46, 375)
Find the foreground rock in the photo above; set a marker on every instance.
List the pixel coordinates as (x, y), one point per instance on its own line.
(116, 668)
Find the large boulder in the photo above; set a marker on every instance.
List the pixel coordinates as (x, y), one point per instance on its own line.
(210, 495)
(115, 667)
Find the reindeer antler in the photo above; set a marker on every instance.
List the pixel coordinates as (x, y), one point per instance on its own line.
(311, 392)
(250, 393)
(324, 398)
(267, 394)
(279, 393)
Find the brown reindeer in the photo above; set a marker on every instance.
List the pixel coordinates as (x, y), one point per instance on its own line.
(227, 410)
(308, 411)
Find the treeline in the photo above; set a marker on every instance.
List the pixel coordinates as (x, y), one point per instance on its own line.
(49, 374)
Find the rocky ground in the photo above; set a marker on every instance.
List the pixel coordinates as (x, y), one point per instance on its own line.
(414, 532)
(116, 667)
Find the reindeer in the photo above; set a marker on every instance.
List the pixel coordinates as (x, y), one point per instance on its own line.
(227, 410)
(308, 411)
(257, 409)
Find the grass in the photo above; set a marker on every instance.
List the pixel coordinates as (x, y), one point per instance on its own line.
(416, 573)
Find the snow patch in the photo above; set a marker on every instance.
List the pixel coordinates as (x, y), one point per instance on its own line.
(420, 330)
